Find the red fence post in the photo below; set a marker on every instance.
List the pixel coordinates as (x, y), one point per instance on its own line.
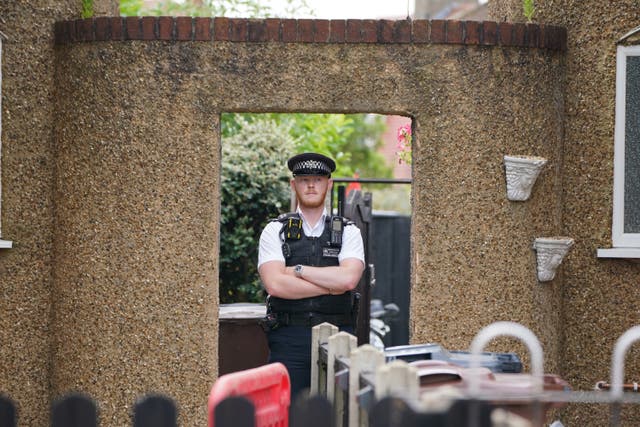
(267, 387)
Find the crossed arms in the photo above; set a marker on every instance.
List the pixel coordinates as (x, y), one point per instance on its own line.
(280, 281)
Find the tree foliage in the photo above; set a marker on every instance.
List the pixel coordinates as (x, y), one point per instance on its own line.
(352, 140)
(131, 7)
(255, 188)
(208, 8)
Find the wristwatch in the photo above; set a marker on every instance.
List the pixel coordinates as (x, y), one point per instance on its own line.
(297, 270)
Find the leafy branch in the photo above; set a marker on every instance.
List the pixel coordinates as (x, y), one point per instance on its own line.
(529, 9)
(87, 9)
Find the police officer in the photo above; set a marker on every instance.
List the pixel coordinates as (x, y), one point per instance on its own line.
(309, 263)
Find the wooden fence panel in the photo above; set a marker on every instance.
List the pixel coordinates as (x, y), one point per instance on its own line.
(320, 334)
(235, 411)
(340, 345)
(363, 359)
(74, 410)
(7, 412)
(315, 411)
(155, 411)
(397, 378)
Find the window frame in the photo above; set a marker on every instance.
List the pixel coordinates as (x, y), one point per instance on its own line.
(624, 245)
(619, 238)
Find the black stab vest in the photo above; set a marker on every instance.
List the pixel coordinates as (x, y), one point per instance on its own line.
(316, 252)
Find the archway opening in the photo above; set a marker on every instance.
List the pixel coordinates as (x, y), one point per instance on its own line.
(372, 153)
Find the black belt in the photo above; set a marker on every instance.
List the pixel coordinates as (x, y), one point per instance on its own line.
(312, 319)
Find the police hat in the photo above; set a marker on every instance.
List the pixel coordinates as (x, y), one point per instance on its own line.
(311, 164)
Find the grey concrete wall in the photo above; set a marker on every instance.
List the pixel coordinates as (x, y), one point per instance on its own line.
(27, 201)
(137, 193)
(473, 262)
(136, 240)
(106, 7)
(600, 295)
(110, 171)
(507, 10)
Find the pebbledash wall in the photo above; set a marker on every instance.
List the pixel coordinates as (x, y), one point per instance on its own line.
(111, 159)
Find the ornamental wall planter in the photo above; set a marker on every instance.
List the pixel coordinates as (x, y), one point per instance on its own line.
(521, 174)
(550, 251)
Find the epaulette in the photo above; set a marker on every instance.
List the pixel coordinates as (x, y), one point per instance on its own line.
(285, 216)
(345, 220)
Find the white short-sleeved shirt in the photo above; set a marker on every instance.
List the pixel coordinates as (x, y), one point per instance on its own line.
(270, 248)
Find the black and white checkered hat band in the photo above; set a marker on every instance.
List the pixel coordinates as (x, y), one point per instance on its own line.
(311, 167)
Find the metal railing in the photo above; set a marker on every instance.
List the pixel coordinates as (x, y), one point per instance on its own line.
(355, 378)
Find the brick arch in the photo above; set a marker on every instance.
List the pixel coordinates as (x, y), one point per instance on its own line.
(470, 33)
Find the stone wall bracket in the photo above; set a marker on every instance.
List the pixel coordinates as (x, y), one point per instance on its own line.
(550, 251)
(521, 173)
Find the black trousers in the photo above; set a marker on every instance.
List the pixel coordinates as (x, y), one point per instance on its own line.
(291, 346)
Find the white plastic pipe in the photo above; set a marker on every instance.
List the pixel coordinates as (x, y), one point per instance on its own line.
(617, 360)
(509, 329)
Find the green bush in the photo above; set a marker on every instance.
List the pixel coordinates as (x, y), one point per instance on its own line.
(352, 140)
(255, 187)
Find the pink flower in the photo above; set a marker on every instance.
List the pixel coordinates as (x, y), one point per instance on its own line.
(404, 144)
(404, 133)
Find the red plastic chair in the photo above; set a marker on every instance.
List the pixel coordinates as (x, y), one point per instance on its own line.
(268, 387)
